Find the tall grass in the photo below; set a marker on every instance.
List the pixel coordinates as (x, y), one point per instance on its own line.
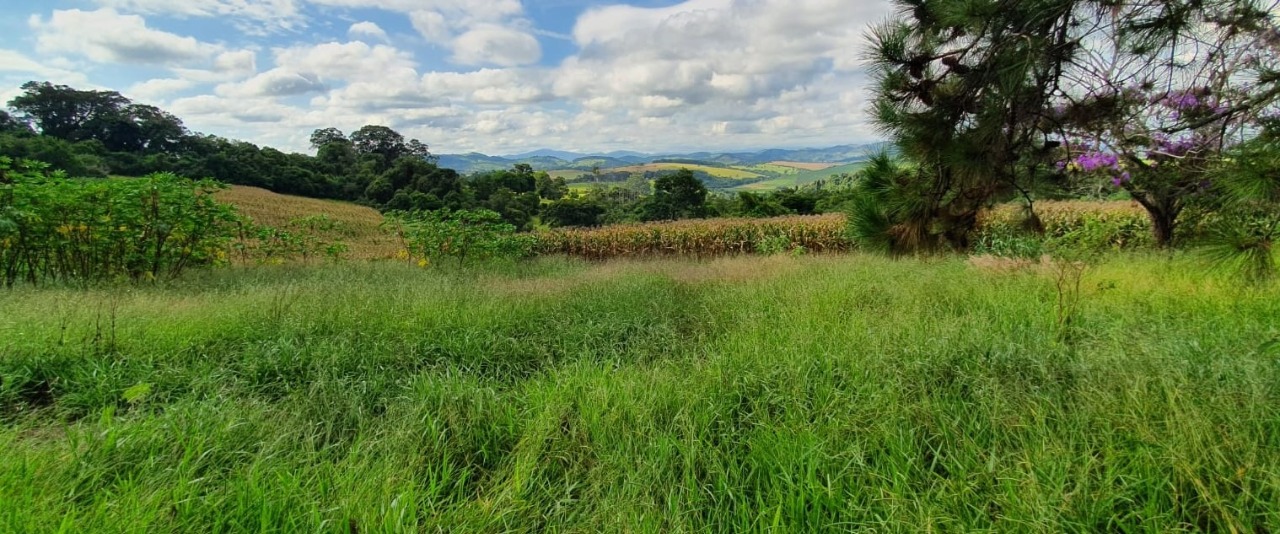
(747, 394)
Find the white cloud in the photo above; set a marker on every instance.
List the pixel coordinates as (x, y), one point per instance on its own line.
(431, 25)
(158, 90)
(489, 44)
(367, 29)
(227, 66)
(106, 36)
(489, 86)
(17, 63)
(702, 74)
(279, 13)
(352, 61)
(274, 83)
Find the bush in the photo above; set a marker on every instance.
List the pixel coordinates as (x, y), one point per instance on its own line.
(56, 228)
(1069, 226)
(463, 234)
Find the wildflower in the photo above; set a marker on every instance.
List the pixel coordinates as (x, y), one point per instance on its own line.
(422, 263)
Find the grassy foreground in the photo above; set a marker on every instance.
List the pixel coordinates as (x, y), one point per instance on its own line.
(749, 394)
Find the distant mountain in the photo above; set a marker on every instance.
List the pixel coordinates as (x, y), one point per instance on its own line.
(547, 153)
(547, 159)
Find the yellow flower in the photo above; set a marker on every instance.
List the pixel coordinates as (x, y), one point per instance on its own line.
(402, 254)
(423, 263)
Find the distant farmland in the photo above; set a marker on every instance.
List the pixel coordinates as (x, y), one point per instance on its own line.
(718, 172)
(804, 166)
(803, 178)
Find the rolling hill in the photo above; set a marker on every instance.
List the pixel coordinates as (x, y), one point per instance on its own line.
(799, 179)
(549, 160)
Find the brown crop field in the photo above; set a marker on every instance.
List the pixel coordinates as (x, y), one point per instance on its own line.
(701, 237)
(356, 226)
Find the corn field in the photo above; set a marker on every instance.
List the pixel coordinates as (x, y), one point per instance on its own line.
(701, 237)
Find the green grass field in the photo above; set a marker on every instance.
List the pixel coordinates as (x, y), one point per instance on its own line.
(800, 178)
(837, 393)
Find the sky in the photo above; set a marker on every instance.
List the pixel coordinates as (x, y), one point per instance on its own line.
(491, 76)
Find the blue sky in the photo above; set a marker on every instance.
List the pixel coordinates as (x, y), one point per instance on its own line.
(496, 76)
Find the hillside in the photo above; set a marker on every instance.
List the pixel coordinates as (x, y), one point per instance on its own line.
(729, 173)
(801, 178)
(551, 160)
(359, 227)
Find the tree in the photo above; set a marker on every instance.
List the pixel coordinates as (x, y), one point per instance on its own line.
(12, 125)
(573, 212)
(981, 96)
(66, 113)
(1243, 235)
(325, 136)
(677, 195)
(1160, 91)
(960, 89)
(551, 188)
(122, 126)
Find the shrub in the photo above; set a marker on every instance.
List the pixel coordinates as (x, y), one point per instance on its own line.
(476, 234)
(56, 228)
(1077, 226)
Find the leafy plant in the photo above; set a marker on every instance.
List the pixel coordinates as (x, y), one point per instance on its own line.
(464, 234)
(56, 228)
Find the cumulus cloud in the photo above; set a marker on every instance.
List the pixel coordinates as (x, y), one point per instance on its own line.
(284, 13)
(490, 44)
(109, 37)
(351, 61)
(16, 65)
(277, 82)
(478, 32)
(700, 74)
(367, 29)
(158, 89)
(432, 26)
(226, 66)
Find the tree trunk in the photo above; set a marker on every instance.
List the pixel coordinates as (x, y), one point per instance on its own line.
(1163, 212)
(1163, 225)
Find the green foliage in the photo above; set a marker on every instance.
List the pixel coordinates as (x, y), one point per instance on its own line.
(678, 195)
(961, 86)
(299, 241)
(477, 235)
(1244, 230)
(57, 229)
(1067, 228)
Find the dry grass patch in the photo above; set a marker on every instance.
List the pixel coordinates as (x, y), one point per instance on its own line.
(359, 227)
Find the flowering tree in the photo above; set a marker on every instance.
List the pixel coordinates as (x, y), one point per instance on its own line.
(976, 93)
(1159, 90)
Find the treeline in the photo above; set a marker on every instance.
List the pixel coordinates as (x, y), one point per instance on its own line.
(102, 133)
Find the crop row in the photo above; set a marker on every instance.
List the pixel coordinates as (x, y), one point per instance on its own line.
(701, 237)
